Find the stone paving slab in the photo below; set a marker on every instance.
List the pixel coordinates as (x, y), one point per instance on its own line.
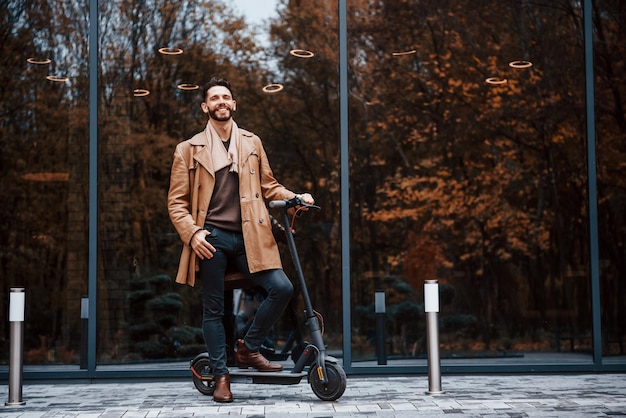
(569, 395)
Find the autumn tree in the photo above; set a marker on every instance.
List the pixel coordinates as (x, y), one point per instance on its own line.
(610, 94)
(43, 126)
(493, 174)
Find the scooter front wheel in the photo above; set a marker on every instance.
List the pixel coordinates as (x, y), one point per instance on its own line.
(202, 375)
(335, 385)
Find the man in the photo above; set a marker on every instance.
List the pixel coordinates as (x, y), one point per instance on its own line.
(220, 178)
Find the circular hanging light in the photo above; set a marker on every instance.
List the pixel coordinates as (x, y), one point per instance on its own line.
(302, 53)
(39, 61)
(402, 53)
(57, 78)
(188, 86)
(141, 92)
(273, 88)
(170, 51)
(520, 64)
(496, 81)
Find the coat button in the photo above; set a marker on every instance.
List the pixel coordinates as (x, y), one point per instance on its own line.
(261, 220)
(252, 171)
(257, 195)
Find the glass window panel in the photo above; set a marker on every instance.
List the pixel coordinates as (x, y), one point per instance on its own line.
(44, 172)
(467, 153)
(467, 138)
(610, 90)
(152, 69)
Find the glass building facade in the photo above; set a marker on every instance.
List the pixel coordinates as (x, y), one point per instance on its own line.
(480, 144)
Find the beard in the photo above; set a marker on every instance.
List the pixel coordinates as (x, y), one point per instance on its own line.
(224, 117)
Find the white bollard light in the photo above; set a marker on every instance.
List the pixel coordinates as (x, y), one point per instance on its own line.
(16, 359)
(431, 307)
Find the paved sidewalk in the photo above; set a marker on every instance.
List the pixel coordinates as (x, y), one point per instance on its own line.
(580, 395)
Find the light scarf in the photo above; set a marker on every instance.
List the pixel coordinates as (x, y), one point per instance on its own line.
(221, 157)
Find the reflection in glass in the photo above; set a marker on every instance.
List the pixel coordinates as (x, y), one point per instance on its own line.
(44, 178)
(143, 314)
(479, 185)
(610, 93)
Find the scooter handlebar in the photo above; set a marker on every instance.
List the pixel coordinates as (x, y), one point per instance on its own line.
(291, 203)
(278, 203)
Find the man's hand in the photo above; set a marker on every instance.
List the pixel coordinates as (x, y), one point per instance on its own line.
(201, 246)
(307, 198)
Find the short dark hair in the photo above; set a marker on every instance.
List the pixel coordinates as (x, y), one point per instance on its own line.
(216, 81)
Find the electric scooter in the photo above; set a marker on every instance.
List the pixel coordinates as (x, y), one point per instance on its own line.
(325, 375)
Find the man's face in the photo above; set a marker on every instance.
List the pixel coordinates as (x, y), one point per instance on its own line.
(219, 104)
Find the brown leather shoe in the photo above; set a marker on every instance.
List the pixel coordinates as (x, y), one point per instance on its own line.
(222, 389)
(246, 358)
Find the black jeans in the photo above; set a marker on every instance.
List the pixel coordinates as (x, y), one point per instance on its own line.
(230, 252)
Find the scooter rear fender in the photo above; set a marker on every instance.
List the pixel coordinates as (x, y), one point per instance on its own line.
(200, 356)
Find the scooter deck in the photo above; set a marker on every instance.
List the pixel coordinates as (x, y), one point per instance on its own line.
(270, 378)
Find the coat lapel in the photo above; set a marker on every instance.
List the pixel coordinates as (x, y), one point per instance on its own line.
(203, 156)
(246, 147)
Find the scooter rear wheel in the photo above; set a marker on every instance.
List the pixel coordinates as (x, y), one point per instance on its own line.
(202, 374)
(336, 381)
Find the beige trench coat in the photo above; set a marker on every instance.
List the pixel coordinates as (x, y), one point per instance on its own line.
(191, 186)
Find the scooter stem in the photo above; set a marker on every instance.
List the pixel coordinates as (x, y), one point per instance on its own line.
(311, 319)
(296, 263)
